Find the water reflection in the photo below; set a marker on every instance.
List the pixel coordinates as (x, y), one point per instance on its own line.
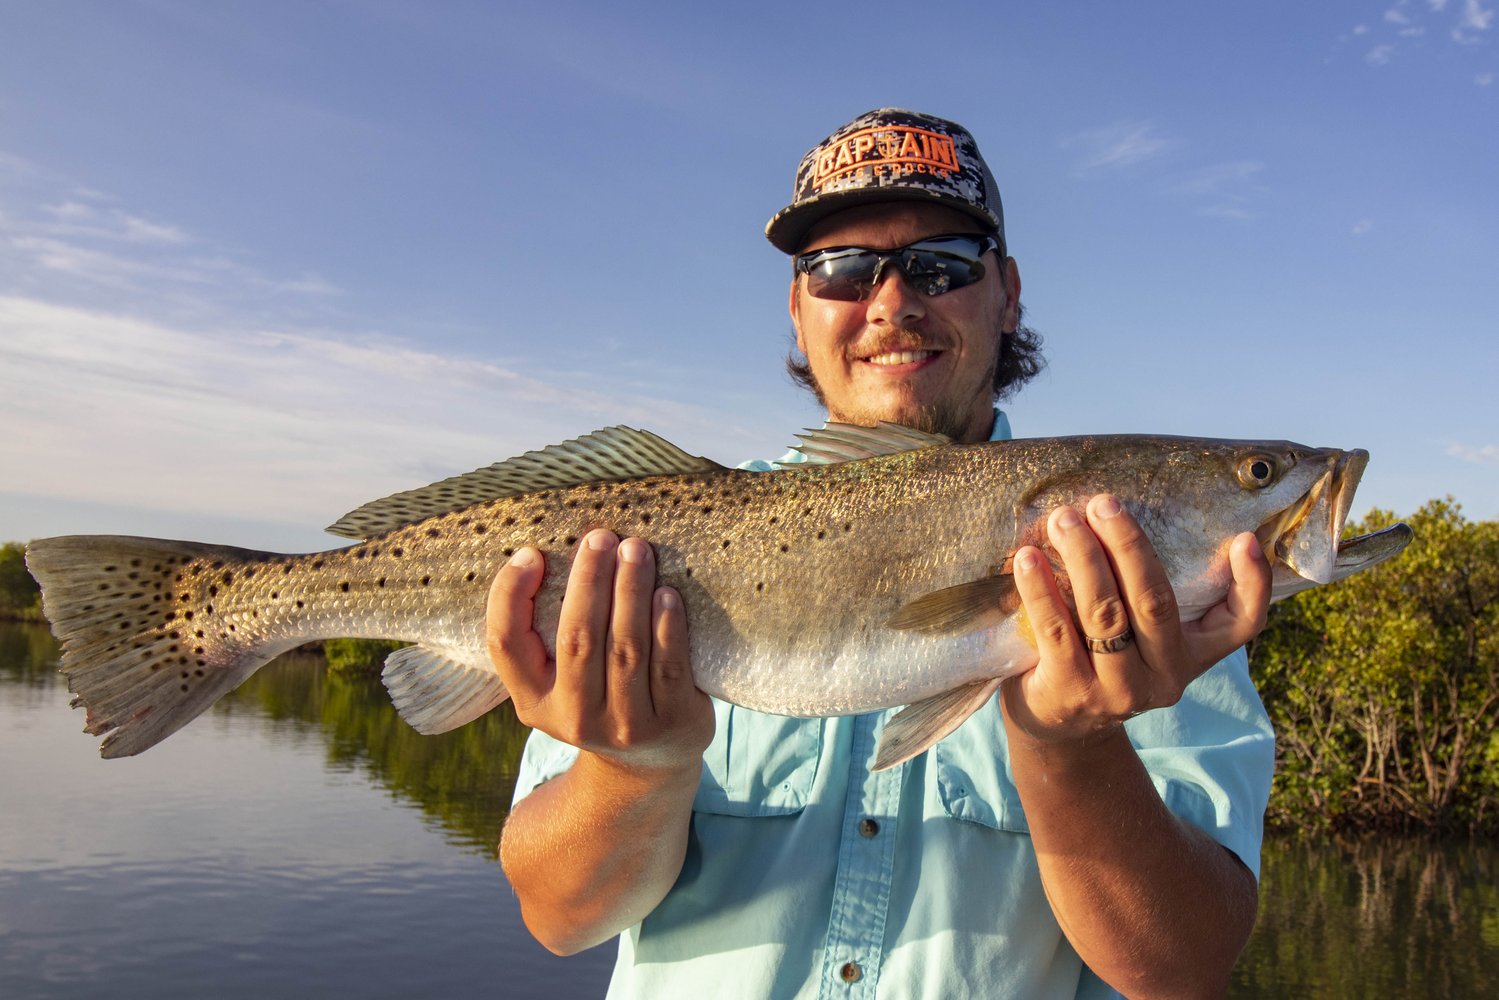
(284, 844)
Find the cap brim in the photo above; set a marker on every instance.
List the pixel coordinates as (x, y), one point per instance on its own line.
(788, 228)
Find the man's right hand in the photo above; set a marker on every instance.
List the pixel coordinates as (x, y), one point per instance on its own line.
(621, 684)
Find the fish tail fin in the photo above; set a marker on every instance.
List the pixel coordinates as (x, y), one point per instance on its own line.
(142, 648)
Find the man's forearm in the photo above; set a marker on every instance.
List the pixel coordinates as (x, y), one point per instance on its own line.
(1152, 905)
(592, 851)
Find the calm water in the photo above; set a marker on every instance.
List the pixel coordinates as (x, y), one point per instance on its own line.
(300, 840)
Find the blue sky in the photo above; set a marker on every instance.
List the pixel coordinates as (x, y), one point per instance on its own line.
(263, 261)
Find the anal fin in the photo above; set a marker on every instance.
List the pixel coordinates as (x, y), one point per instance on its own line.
(438, 688)
(917, 727)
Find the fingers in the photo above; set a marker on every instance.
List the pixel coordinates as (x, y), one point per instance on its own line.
(628, 656)
(1241, 616)
(515, 648)
(673, 691)
(583, 623)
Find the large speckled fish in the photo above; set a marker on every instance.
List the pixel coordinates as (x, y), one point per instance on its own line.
(874, 575)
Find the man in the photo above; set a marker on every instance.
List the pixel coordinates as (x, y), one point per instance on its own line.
(1059, 843)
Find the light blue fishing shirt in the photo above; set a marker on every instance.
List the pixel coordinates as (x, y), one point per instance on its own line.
(809, 875)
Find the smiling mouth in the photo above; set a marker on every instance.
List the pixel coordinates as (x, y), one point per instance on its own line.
(900, 357)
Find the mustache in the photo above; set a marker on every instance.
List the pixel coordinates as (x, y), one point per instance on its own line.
(896, 341)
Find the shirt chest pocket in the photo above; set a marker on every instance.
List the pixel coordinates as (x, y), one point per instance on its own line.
(757, 764)
(973, 774)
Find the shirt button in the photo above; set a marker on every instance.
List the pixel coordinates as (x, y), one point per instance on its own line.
(851, 972)
(868, 827)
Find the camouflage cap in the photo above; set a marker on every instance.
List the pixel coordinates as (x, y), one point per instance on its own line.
(889, 154)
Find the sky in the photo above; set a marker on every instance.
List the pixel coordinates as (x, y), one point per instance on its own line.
(263, 261)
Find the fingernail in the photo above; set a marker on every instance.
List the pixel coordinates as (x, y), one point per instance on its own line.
(633, 550)
(668, 599)
(1068, 519)
(1253, 547)
(601, 541)
(1027, 561)
(1106, 507)
(524, 558)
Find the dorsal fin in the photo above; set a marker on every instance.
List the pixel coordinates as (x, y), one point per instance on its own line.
(608, 455)
(835, 442)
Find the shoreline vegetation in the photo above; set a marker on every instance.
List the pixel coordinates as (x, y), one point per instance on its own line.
(1384, 688)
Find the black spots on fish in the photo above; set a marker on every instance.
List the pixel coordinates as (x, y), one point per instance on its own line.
(317, 564)
(380, 582)
(472, 575)
(344, 586)
(774, 519)
(598, 505)
(821, 535)
(759, 586)
(188, 615)
(360, 553)
(433, 533)
(724, 544)
(689, 572)
(228, 578)
(848, 526)
(567, 542)
(286, 568)
(538, 518)
(301, 604)
(213, 591)
(707, 508)
(426, 581)
(785, 547)
(218, 564)
(398, 552)
(645, 518)
(623, 506)
(507, 553)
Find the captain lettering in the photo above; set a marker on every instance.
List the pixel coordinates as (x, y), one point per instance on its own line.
(886, 151)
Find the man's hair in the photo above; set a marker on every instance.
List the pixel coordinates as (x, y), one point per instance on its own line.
(1019, 361)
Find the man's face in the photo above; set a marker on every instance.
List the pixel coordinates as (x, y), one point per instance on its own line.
(899, 355)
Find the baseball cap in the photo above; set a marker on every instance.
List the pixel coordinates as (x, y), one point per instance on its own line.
(889, 154)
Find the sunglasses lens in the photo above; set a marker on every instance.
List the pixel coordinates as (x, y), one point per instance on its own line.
(934, 266)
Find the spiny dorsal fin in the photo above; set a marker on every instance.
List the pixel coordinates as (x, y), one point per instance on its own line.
(917, 727)
(968, 607)
(835, 442)
(607, 455)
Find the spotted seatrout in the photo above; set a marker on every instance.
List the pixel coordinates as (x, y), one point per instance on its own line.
(874, 575)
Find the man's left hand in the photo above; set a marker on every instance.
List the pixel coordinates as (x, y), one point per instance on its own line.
(1119, 584)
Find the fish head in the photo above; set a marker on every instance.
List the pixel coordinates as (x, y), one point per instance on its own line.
(1195, 495)
(1296, 500)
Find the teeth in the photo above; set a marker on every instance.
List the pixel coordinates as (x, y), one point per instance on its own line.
(899, 357)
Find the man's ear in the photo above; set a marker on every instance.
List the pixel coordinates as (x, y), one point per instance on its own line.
(1010, 321)
(793, 306)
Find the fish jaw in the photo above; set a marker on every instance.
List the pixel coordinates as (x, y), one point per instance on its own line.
(1354, 555)
(1304, 537)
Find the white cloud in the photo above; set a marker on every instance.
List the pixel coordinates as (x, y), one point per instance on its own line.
(1487, 454)
(1360, 29)
(1123, 144)
(1484, 79)
(1362, 226)
(1437, 5)
(290, 426)
(1476, 16)
(1225, 190)
(1396, 16)
(1379, 55)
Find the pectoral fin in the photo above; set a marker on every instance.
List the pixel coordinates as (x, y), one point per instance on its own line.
(968, 607)
(917, 727)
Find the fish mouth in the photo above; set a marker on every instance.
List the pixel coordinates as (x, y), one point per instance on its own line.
(1305, 536)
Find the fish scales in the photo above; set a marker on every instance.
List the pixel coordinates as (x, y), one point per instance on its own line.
(820, 589)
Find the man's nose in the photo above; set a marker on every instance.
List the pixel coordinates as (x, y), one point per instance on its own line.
(892, 300)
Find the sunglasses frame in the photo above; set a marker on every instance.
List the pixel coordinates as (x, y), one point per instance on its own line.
(980, 243)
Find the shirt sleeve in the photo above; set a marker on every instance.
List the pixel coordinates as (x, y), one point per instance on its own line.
(1212, 756)
(542, 760)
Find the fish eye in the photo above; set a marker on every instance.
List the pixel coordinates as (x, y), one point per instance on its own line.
(1257, 471)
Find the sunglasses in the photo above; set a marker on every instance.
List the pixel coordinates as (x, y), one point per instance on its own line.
(932, 266)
